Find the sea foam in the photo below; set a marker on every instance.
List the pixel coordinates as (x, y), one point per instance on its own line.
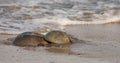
(46, 15)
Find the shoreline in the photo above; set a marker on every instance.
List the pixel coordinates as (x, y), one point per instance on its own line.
(110, 23)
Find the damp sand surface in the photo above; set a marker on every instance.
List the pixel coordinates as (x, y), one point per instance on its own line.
(98, 44)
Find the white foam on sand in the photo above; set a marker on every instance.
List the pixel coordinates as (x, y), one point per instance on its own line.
(64, 21)
(46, 24)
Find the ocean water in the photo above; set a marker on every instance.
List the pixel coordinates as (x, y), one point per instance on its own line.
(18, 16)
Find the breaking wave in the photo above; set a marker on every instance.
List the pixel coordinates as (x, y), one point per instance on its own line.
(18, 16)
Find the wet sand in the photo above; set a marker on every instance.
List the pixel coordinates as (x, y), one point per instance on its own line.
(98, 44)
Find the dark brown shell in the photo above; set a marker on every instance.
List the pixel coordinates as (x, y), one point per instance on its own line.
(29, 39)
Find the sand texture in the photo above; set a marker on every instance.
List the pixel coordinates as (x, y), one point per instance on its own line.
(98, 44)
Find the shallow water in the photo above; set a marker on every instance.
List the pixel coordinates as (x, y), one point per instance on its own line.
(18, 16)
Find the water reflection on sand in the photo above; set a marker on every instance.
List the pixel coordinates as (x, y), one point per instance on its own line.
(105, 32)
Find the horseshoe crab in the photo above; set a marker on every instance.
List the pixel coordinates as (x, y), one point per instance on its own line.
(29, 39)
(59, 37)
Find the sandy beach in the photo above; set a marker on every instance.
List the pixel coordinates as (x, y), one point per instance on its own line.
(100, 44)
(99, 40)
